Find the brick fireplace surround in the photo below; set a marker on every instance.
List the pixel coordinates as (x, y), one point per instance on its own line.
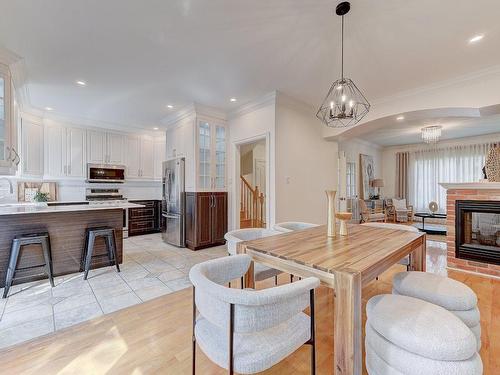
(468, 191)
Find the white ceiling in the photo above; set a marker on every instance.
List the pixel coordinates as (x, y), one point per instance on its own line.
(455, 123)
(139, 56)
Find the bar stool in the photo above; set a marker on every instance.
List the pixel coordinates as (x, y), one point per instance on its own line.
(41, 239)
(109, 237)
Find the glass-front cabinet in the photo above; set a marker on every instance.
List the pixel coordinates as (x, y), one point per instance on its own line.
(211, 155)
(9, 157)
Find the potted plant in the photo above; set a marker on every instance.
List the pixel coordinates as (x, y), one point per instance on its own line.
(41, 198)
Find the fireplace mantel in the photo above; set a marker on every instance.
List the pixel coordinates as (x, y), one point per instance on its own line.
(471, 185)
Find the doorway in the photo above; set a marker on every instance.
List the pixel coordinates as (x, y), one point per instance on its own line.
(253, 184)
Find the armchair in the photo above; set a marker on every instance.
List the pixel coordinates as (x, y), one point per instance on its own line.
(369, 215)
(399, 211)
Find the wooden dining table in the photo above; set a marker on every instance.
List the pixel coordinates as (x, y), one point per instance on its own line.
(344, 263)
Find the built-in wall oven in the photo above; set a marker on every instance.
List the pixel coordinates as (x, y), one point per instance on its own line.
(105, 173)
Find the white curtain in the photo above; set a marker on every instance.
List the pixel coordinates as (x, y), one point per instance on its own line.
(433, 165)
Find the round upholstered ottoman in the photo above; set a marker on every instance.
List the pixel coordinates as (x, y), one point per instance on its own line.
(454, 296)
(409, 336)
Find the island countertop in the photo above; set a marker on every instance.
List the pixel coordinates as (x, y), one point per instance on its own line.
(31, 208)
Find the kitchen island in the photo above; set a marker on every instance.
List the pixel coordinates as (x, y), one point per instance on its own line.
(66, 225)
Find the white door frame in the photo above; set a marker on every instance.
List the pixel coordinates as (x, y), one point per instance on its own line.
(236, 186)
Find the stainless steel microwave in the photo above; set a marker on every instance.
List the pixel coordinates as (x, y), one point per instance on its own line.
(105, 173)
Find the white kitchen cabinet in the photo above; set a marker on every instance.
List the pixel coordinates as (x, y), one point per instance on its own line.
(211, 155)
(9, 151)
(115, 144)
(105, 147)
(31, 148)
(159, 158)
(147, 158)
(64, 151)
(133, 152)
(75, 152)
(140, 157)
(96, 146)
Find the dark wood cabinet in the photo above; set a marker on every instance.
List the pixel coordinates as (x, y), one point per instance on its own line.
(206, 219)
(145, 219)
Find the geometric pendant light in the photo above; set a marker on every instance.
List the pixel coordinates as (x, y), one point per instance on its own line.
(344, 105)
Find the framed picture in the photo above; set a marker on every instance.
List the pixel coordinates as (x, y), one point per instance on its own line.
(367, 174)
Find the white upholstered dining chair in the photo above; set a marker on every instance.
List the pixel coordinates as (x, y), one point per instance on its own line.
(290, 226)
(261, 272)
(248, 331)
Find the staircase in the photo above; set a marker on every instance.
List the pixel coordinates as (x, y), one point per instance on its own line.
(252, 203)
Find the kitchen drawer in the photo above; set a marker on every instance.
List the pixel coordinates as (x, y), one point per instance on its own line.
(146, 204)
(142, 226)
(141, 213)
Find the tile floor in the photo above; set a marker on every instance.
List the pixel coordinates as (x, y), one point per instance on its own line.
(150, 269)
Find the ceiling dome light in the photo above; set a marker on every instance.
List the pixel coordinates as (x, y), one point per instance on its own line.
(476, 38)
(232, 100)
(49, 108)
(400, 118)
(81, 83)
(431, 134)
(155, 128)
(344, 105)
(170, 106)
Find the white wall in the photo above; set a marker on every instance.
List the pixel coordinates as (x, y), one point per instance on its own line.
(354, 147)
(253, 121)
(389, 157)
(306, 164)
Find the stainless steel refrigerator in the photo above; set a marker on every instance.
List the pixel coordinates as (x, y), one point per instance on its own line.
(173, 202)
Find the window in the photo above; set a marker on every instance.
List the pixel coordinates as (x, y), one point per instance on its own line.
(5, 109)
(430, 167)
(351, 180)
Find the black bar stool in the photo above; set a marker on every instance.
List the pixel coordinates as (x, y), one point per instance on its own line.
(109, 236)
(41, 239)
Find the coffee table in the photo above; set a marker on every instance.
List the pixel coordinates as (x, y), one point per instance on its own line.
(431, 228)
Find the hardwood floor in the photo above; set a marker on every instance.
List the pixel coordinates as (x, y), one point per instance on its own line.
(155, 337)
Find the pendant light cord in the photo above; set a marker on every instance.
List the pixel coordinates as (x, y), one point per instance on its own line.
(342, 51)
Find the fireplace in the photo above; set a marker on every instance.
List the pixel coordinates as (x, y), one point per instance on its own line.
(477, 230)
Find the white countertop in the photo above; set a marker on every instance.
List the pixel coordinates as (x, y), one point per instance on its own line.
(31, 208)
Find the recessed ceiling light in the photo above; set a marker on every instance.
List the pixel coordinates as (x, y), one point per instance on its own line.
(400, 118)
(49, 108)
(232, 100)
(170, 106)
(81, 83)
(155, 128)
(476, 38)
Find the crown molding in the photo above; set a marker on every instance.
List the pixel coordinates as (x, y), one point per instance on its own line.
(263, 101)
(439, 85)
(360, 142)
(294, 103)
(192, 110)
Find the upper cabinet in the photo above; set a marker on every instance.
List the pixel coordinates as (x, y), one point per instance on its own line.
(64, 151)
(211, 155)
(105, 147)
(140, 157)
(31, 148)
(159, 157)
(9, 152)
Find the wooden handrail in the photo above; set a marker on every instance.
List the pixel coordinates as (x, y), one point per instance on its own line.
(252, 204)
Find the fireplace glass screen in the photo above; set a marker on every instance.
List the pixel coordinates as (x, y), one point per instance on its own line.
(478, 231)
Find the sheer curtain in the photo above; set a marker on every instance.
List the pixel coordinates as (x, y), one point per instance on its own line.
(431, 166)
